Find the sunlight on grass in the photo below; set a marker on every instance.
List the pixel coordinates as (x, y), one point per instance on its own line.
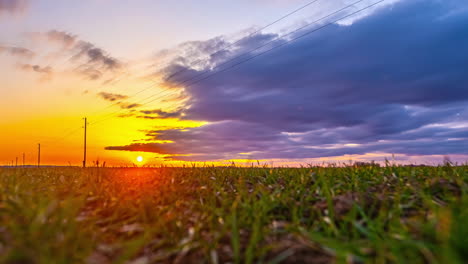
(355, 214)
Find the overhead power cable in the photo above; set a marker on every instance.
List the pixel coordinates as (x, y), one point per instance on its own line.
(189, 81)
(287, 42)
(221, 49)
(250, 35)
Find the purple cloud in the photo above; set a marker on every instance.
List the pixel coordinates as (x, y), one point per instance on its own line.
(391, 82)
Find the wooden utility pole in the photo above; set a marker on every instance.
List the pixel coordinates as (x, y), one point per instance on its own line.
(38, 155)
(85, 128)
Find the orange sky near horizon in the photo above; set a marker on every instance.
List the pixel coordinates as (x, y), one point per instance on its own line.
(61, 138)
(53, 116)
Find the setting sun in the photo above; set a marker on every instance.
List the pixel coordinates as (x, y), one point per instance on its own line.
(140, 159)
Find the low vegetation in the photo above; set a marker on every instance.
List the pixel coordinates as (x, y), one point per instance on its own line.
(355, 214)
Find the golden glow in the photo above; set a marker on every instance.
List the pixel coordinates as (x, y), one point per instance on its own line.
(33, 118)
(51, 113)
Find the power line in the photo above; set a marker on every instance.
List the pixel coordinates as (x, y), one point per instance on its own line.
(185, 69)
(251, 34)
(59, 139)
(275, 39)
(117, 103)
(123, 109)
(85, 134)
(38, 155)
(264, 45)
(112, 115)
(287, 42)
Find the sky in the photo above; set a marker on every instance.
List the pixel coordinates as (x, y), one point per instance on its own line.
(282, 82)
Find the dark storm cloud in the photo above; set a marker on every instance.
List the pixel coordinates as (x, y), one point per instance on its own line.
(13, 6)
(112, 97)
(382, 84)
(17, 51)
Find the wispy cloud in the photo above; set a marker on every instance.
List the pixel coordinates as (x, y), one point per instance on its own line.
(89, 60)
(17, 52)
(95, 56)
(149, 114)
(89, 72)
(45, 72)
(119, 100)
(65, 39)
(125, 105)
(111, 97)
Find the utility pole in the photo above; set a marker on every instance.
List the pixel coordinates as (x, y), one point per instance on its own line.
(85, 128)
(39, 155)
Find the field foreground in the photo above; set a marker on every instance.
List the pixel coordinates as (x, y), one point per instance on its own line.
(234, 215)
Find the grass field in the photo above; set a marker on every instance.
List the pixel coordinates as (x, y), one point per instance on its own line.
(367, 214)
